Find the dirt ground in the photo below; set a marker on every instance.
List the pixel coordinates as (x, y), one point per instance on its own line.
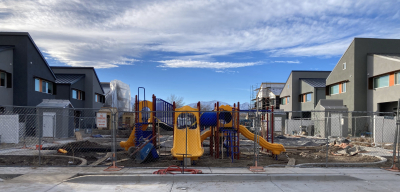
(18, 160)
(92, 151)
(248, 160)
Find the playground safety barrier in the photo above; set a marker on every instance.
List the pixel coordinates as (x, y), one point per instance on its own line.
(225, 136)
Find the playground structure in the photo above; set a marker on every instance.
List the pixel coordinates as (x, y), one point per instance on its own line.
(220, 125)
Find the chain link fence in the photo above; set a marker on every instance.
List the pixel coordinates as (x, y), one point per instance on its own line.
(33, 136)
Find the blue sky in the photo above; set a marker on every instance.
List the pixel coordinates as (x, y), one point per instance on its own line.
(200, 50)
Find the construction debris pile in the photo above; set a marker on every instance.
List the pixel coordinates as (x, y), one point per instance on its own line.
(344, 147)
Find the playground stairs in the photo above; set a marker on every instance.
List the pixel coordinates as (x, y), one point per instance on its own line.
(231, 142)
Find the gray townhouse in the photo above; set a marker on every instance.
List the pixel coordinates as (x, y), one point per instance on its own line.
(365, 80)
(302, 91)
(352, 78)
(383, 72)
(80, 85)
(26, 77)
(6, 72)
(66, 95)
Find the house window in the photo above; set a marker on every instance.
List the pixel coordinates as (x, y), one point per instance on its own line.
(344, 87)
(288, 98)
(334, 89)
(308, 97)
(2, 79)
(397, 78)
(283, 101)
(344, 66)
(74, 94)
(78, 95)
(37, 85)
(43, 86)
(382, 81)
(99, 98)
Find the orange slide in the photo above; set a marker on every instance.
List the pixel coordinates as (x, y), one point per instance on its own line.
(276, 149)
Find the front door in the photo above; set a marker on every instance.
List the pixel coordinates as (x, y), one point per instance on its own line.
(48, 124)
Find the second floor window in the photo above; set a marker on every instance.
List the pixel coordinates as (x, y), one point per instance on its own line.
(308, 97)
(43, 86)
(78, 95)
(2, 79)
(382, 81)
(334, 89)
(285, 100)
(99, 98)
(344, 87)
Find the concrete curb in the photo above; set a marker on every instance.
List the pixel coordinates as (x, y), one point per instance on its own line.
(129, 178)
(382, 160)
(83, 161)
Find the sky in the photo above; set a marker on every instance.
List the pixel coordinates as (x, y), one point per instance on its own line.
(199, 50)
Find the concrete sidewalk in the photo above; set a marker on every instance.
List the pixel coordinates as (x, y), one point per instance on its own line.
(214, 179)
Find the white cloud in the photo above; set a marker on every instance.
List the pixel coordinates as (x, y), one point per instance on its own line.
(106, 33)
(204, 64)
(290, 62)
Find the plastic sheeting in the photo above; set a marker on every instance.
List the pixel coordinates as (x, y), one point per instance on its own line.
(119, 96)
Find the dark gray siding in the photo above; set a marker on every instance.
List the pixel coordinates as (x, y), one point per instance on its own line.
(90, 83)
(79, 85)
(24, 72)
(6, 61)
(20, 65)
(37, 68)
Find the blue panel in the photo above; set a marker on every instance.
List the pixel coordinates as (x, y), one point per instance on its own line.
(208, 119)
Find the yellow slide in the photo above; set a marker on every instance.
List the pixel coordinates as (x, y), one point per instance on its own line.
(276, 149)
(205, 135)
(187, 121)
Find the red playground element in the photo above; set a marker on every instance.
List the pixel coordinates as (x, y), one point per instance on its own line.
(173, 168)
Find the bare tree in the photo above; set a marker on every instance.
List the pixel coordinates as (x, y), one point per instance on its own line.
(205, 108)
(178, 100)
